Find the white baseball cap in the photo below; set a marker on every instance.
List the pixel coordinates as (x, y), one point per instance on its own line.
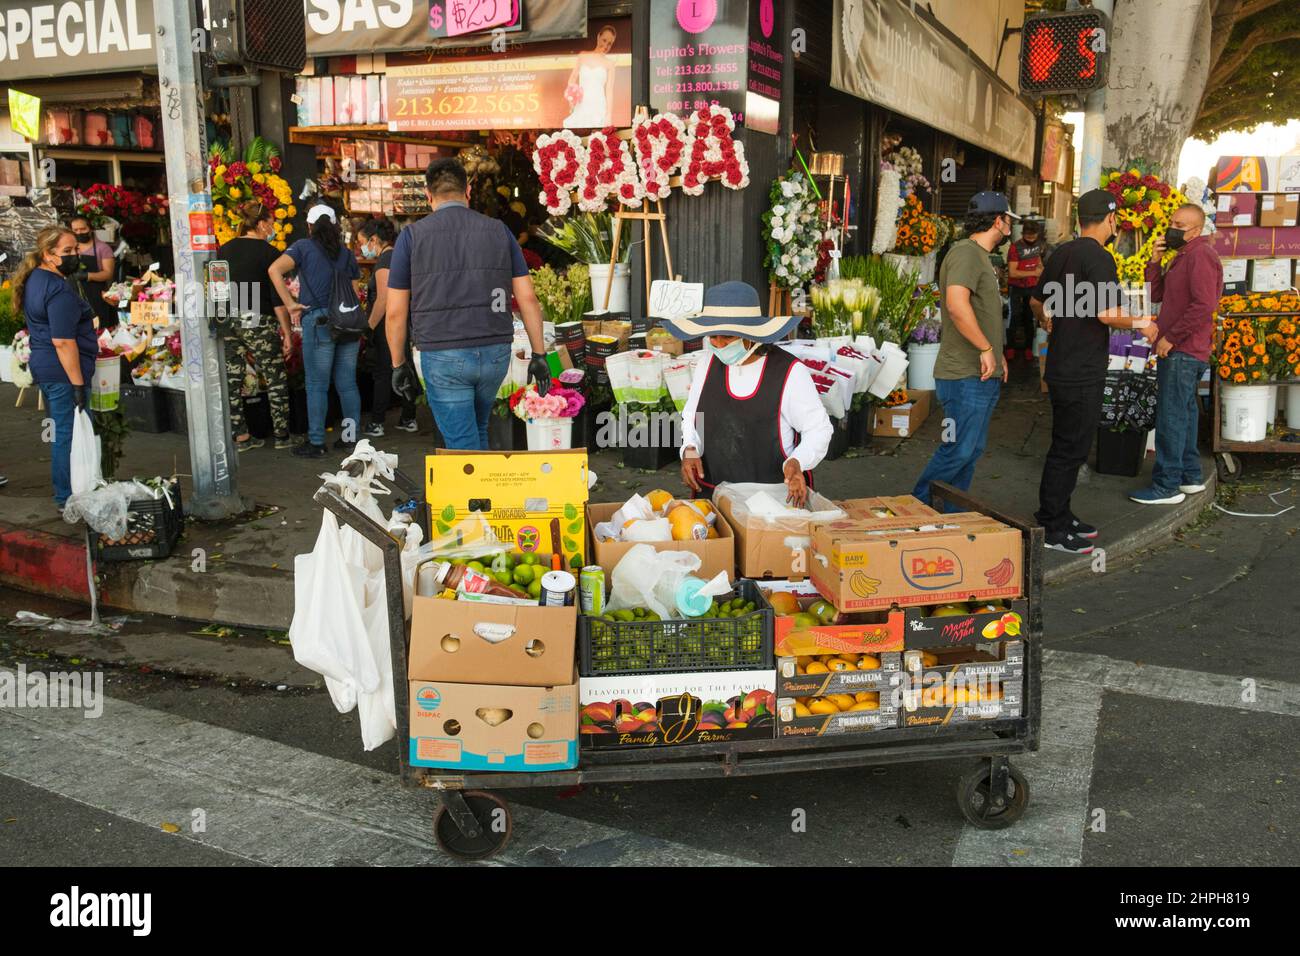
(321, 211)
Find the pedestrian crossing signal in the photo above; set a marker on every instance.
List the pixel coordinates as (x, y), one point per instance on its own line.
(1064, 52)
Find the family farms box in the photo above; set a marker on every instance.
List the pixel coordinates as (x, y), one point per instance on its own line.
(772, 549)
(716, 554)
(1279, 209)
(899, 421)
(869, 633)
(479, 643)
(965, 685)
(868, 564)
(534, 501)
(494, 727)
(658, 710)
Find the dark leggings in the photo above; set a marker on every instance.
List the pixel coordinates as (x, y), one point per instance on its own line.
(383, 378)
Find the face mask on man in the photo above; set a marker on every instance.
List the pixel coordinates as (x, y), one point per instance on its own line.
(69, 264)
(83, 237)
(1175, 238)
(733, 353)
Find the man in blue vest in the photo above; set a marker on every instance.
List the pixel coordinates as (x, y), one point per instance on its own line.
(452, 278)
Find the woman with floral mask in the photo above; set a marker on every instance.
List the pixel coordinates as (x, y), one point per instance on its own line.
(753, 414)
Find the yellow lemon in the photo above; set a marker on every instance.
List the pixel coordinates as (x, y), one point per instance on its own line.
(658, 499)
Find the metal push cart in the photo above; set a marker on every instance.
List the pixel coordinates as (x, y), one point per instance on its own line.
(473, 822)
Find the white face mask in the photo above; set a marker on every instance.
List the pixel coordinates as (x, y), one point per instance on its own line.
(733, 353)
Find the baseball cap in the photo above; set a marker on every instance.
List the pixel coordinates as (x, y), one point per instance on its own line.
(319, 211)
(1096, 204)
(991, 203)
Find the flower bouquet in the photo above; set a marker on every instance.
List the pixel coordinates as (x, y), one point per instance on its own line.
(549, 417)
(22, 355)
(573, 95)
(255, 176)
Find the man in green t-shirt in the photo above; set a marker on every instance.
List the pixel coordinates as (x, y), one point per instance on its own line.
(970, 369)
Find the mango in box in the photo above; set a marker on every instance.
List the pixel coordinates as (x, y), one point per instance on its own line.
(534, 501)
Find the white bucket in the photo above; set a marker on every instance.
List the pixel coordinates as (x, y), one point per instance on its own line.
(1272, 403)
(618, 294)
(1293, 407)
(548, 434)
(921, 357)
(6, 363)
(1243, 411)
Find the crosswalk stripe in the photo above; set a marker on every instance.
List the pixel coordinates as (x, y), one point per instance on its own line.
(270, 803)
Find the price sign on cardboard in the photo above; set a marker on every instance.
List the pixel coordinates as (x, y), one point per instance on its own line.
(151, 313)
(675, 300)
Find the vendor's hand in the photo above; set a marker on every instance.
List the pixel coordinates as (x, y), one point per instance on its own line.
(81, 396)
(692, 469)
(795, 486)
(1158, 249)
(539, 373)
(405, 383)
(988, 364)
(1164, 347)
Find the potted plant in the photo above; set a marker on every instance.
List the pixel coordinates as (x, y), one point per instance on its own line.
(589, 238)
(923, 345)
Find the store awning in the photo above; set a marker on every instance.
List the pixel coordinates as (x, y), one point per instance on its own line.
(886, 54)
(114, 91)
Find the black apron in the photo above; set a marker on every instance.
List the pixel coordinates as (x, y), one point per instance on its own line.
(742, 436)
(93, 292)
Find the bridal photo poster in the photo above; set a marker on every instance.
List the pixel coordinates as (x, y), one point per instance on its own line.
(579, 84)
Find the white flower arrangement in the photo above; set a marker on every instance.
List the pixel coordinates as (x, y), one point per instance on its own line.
(792, 232)
(1195, 191)
(888, 203)
(907, 163)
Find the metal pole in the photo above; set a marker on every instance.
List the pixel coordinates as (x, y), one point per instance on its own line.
(212, 452)
(1094, 120)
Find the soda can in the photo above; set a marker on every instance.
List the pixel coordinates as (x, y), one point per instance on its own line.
(591, 589)
(559, 589)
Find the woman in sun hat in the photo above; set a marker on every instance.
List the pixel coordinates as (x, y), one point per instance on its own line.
(754, 400)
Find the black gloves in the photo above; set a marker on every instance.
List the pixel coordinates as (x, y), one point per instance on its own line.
(539, 373)
(405, 383)
(81, 396)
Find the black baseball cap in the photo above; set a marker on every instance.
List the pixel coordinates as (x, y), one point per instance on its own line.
(1096, 204)
(990, 203)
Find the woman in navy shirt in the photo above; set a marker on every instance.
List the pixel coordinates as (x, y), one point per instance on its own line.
(317, 260)
(61, 325)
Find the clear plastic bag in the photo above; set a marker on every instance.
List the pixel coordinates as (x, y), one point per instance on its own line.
(748, 504)
(649, 578)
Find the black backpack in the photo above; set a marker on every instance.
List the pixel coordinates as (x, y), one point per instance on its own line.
(348, 321)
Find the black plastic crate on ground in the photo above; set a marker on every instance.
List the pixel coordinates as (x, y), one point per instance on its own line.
(152, 529)
(612, 648)
(174, 399)
(144, 407)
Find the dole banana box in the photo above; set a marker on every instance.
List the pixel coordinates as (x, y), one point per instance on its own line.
(865, 564)
(535, 501)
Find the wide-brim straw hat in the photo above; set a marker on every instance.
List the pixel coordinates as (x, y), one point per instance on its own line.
(732, 308)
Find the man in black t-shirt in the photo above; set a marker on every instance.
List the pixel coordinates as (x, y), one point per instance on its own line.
(1078, 299)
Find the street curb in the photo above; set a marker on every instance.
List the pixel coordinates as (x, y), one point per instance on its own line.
(43, 562)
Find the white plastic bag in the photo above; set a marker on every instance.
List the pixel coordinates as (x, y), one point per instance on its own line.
(86, 475)
(649, 578)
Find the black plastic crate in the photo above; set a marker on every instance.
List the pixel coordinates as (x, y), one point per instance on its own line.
(152, 529)
(174, 399)
(612, 648)
(144, 407)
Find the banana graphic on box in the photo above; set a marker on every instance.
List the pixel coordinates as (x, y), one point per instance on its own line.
(863, 586)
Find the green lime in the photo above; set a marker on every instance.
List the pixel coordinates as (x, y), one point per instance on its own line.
(530, 558)
(504, 577)
(523, 574)
(535, 588)
(624, 615)
(476, 566)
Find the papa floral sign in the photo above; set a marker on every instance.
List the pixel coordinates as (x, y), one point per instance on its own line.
(700, 148)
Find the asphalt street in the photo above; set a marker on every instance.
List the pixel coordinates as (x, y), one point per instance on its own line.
(1171, 700)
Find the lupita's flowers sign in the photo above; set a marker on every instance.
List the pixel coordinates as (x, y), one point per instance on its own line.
(700, 147)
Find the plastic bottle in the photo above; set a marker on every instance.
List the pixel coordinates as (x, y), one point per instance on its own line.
(465, 580)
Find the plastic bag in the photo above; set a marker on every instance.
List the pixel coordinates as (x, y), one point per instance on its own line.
(678, 375)
(795, 524)
(85, 454)
(377, 709)
(648, 578)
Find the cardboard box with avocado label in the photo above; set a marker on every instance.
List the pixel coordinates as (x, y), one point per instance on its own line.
(868, 564)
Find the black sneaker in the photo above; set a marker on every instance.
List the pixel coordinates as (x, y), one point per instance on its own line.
(249, 443)
(308, 450)
(1081, 529)
(373, 430)
(1068, 542)
(410, 426)
(347, 446)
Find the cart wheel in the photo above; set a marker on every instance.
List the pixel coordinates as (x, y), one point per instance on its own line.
(978, 804)
(493, 818)
(1229, 466)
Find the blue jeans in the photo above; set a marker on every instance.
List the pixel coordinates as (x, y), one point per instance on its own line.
(58, 396)
(968, 407)
(1177, 460)
(323, 359)
(461, 385)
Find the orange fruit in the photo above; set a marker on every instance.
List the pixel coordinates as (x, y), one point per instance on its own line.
(801, 710)
(865, 705)
(842, 701)
(687, 525)
(820, 705)
(868, 662)
(863, 696)
(658, 499)
(840, 664)
(816, 667)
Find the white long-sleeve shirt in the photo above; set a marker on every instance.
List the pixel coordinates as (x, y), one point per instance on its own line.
(802, 411)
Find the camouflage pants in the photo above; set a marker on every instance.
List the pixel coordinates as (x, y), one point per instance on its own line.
(263, 345)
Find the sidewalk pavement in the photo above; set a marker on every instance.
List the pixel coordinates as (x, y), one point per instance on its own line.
(248, 579)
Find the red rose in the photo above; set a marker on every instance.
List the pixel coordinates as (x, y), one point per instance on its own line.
(275, 164)
(628, 191)
(589, 192)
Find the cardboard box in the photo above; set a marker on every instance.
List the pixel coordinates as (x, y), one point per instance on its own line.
(716, 554)
(1270, 275)
(1257, 241)
(1279, 209)
(619, 329)
(865, 633)
(868, 564)
(1236, 276)
(887, 506)
(953, 630)
(966, 685)
(767, 550)
(534, 501)
(664, 710)
(450, 726)
(790, 683)
(886, 716)
(902, 420)
(1236, 209)
(449, 642)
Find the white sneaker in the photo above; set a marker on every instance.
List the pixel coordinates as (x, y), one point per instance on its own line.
(1191, 489)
